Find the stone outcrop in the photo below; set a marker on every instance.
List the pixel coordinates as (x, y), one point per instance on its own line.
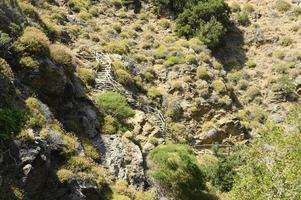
(225, 128)
(122, 158)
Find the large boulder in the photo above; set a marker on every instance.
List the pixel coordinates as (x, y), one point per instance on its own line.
(122, 158)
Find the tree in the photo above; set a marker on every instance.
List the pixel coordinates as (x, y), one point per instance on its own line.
(207, 20)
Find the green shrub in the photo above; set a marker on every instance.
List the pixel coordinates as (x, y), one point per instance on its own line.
(5, 41)
(161, 52)
(164, 23)
(286, 41)
(202, 73)
(207, 20)
(221, 172)
(90, 149)
(86, 169)
(117, 3)
(191, 59)
(173, 60)
(177, 171)
(297, 10)
(53, 30)
(110, 125)
(79, 5)
(243, 18)
(64, 175)
(29, 10)
(29, 63)
(86, 75)
(284, 85)
(33, 42)
(94, 11)
(118, 47)
(36, 117)
(115, 105)
(251, 64)
(61, 55)
(175, 6)
(271, 165)
(12, 120)
(248, 8)
(211, 32)
(123, 77)
(252, 93)
(174, 111)
(154, 92)
(235, 7)
(282, 5)
(219, 86)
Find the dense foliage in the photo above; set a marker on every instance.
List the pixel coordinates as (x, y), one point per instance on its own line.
(207, 20)
(115, 105)
(272, 165)
(177, 171)
(11, 121)
(221, 172)
(175, 6)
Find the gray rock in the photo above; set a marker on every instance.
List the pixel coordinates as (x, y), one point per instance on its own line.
(26, 169)
(29, 155)
(122, 158)
(277, 118)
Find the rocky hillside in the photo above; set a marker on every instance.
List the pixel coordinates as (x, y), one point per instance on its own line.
(129, 99)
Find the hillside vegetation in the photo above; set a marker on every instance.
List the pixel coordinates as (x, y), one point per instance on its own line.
(150, 99)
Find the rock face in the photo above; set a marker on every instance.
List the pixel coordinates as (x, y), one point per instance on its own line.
(10, 12)
(122, 158)
(226, 128)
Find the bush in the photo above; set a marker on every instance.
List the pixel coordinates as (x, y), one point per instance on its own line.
(284, 85)
(64, 175)
(12, 120)
(123, 77)
(207, 20)
(286, 41)
(175, 6)
(110, 125)
(219, 86)
(86, 169)
(90, 149)
(252, 93)
(33, 42)
(29, 10)
(272, 163)
(53, 31)
(211, 32)
(86, 75)
(5, 41)
(79, 5)
(118, 47)
(282, 5)
(61, 55)
(161, 52)
(173, 60)
(29, 63)
(243, 18)
(36, 117)
(202, 73)
(235, 7)
(221, 172)
(115, 105)
(177, 171)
